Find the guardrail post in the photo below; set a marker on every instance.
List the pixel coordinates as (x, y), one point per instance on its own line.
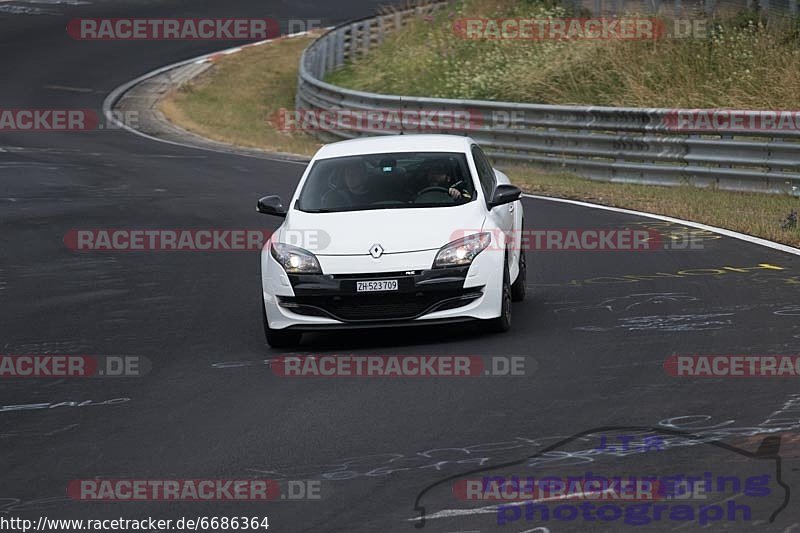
(366, 36)
(381, 31)
(330, 47)
(350, 51)
(339, 47)
(323, 59)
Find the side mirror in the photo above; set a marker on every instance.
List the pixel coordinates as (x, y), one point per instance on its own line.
(504, 194)
(271, 205)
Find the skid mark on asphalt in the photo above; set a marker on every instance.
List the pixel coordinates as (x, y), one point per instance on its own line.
(29, 7)
(626, 303)
(68, 89)
(35, 434)
(778, 274)
(53, 405)
(672, 323)
(9, 505)
(42, 347)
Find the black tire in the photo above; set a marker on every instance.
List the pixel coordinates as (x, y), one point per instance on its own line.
(277, 338)
(502, 323)
(519, 287)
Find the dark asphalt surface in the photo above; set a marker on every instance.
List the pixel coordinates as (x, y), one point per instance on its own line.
(597, 325)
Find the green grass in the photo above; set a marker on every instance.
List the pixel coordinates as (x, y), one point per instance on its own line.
(730, 68)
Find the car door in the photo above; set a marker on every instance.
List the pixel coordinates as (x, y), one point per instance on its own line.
(502, 216)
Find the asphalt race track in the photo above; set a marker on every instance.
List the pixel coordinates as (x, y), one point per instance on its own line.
(596, 327)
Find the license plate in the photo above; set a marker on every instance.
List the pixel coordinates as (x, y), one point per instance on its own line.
(377, 285)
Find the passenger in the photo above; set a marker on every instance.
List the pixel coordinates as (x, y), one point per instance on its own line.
(350, 188)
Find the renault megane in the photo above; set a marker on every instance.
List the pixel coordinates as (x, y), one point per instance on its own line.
(391, 231)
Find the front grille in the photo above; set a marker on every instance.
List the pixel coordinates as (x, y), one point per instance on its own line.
(368, 307)
(377, 275)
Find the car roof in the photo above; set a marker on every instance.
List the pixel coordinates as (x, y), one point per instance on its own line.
(396, 143)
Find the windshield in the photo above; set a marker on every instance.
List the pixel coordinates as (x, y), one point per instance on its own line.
(387, 181)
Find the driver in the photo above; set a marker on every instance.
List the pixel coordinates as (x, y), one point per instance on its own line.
(356, 191)
(438, 176)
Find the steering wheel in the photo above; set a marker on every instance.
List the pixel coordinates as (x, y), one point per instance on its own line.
(426, 190)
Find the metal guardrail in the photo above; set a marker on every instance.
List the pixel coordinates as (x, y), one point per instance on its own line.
(635, 145)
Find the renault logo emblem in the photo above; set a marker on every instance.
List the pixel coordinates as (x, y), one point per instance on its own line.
(376, 250)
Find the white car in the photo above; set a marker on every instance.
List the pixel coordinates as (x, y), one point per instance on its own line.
(390, 231)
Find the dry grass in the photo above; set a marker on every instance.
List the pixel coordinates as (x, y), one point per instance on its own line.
(760, 215)
(234, 100)
(729, 68)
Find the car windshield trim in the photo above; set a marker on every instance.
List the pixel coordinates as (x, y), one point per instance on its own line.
(403, 180)
(377, 207)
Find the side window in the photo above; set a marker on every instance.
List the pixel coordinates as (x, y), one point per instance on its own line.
(485, 172)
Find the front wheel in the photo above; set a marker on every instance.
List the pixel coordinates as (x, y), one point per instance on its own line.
(278, 338)
(502, 323)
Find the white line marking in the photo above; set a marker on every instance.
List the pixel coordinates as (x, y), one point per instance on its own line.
(727, 233)
(449, 513)
(70, 89)
(117, 93)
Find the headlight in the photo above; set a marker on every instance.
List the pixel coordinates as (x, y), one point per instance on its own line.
(295, 260)
(462, 251)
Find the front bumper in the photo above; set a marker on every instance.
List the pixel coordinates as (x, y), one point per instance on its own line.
(418, 294)
(424, 296)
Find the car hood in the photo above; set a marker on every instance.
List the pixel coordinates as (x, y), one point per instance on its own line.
(395, 230)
